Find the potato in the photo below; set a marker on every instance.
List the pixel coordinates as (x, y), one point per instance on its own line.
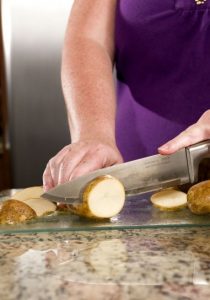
(25, 205)
(198, 198)
(103, 197)
(14, 211)
(169, 199)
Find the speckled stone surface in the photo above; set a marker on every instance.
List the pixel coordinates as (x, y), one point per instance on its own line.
(172, 263)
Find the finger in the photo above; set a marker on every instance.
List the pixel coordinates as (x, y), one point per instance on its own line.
(47, 176)
(190, 136)
(47, 179)
(61, 154)
(70, 162)
(109, 156)
(50, 172)
(88, 164)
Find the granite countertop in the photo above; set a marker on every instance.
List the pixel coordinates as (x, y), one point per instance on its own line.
(169, 263)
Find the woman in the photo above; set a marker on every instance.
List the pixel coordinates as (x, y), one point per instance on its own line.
(161, 53)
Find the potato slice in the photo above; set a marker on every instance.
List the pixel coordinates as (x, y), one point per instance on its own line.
(198, 198)
(169, 199)
(15, 211)
(28, 193)
(103, 197)
(41, 206)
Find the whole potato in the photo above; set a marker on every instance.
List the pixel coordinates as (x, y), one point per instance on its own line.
(198, 198)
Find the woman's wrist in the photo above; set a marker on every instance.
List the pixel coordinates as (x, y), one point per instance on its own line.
(107, 136)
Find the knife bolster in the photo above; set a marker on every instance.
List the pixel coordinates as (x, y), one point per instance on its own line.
(195, 154)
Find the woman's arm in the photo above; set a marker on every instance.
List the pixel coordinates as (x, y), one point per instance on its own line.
(89, 93)
(198, 132)
(87, 69)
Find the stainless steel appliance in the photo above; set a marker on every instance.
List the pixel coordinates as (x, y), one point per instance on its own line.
(33, 33)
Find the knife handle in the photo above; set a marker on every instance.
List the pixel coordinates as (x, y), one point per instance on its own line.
(195, 154)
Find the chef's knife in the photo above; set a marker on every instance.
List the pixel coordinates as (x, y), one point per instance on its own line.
(142, 175)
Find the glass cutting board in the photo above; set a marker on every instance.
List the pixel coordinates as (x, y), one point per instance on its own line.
(137, 213)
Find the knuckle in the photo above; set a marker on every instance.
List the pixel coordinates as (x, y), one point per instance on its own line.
(197, 131)
(52, 162)
(99, 147)
(45, 173)
(65, 165)
(206, 132)
(46, 170)
(193, 131)
(68, 147)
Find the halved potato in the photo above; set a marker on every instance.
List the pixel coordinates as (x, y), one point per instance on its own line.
(25, 205)
(14, 211)
(169, 199)
(103, 197)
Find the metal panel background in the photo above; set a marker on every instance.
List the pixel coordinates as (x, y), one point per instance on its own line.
(33, 32)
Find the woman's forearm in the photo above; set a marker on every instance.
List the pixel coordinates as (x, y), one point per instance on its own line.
(88, 88)
(87, 65)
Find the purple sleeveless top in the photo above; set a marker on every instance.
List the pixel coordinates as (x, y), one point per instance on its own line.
(163, 71)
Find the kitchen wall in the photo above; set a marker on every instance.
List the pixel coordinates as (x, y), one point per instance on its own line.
(33, 33)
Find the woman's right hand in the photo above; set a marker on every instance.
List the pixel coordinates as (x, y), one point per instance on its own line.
(78, 159)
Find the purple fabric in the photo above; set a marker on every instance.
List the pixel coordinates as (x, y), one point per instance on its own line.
(163, 71)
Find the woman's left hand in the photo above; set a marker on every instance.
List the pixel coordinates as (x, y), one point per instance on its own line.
(197, 132)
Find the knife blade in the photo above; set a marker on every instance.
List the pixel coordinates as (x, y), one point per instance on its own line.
(142, 175)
